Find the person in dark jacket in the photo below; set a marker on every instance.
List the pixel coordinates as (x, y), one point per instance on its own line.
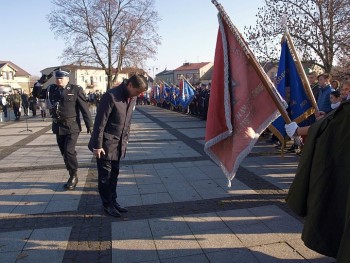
(320, 191)
(66, 102)
(110, 137)
(33, 103)
(25, 103)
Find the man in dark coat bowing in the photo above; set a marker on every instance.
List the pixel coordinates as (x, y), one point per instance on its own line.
(110, 137)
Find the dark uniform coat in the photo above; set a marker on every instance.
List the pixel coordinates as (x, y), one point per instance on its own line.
(66, 116)
(320, 190)
(112, 123)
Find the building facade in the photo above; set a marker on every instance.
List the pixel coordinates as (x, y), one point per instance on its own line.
(191, 71)
(91, 79)
(14, 77)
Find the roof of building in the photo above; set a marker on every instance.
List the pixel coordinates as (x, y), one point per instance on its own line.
(19, 71)
(165, 72)
(192, 66)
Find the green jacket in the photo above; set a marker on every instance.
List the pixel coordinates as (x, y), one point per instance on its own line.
(320, 190)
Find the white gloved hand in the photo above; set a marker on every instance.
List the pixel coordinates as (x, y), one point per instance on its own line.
(291, 129)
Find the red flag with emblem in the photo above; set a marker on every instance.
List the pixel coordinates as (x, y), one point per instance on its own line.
(240, 108)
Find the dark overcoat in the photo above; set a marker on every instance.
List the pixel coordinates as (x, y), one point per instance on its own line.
(320, 190)
(112, 123)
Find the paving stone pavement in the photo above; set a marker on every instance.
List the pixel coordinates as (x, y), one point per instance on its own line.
(180, 208)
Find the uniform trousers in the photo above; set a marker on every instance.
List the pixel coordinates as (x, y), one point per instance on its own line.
(67, 143)
(108, 172)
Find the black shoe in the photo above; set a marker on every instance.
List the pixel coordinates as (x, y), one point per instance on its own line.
(112, 211)
(292, 149)
(120, 208)
(71, 183)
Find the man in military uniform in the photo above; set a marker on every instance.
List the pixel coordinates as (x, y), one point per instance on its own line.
(66, 101)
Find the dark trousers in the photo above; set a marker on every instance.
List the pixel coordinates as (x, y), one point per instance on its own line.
(4, 108)
(67, 143)
(108, 172)
(16, 112)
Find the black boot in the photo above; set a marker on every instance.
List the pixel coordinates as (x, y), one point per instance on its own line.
(72, 181)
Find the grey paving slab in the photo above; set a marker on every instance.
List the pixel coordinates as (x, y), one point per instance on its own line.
(130, 200)
(152, 188)
(310, 255)
(177, 246)
(277, 170)
(241, 255)
(200, 258)
(158, 150)
(10, 139)
(200, 223)
(169, 226)
(20, 129)
(186, 124)
(193, 133)
(277, 252)
(145, 125)
(43, 156)
(14, 241)
(217, 240)
(153, 135)
(137, 229)
(183, 194)
(156, 198)
(35, 192)
(135, 250)
(38, 245)
(50, 139)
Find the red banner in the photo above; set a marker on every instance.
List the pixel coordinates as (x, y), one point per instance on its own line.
(240, 108)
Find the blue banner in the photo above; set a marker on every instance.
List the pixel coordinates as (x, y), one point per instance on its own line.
(187, 94)
(291, 88)
(166, 92)
(157, 93)
(174, 96)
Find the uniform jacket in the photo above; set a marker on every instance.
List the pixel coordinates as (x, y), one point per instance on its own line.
(320, 190)
(66, 116)
(112, 123)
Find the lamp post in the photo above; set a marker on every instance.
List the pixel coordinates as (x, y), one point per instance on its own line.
(152, 68)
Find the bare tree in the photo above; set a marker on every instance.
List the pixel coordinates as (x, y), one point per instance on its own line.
(106, 33)
(319, 28)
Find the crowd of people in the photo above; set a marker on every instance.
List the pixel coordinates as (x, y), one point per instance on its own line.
(168, 98)
(21, 104)
(328, 94)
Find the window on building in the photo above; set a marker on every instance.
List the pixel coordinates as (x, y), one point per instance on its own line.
(195, 77)
(82, 78)
(91, 80)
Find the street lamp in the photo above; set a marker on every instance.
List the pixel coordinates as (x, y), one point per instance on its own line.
(153, 68)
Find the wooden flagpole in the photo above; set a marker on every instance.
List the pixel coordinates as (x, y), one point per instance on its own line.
(269, 86)
(300, 69)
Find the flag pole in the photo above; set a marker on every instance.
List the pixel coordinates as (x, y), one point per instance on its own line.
(269, 86)
(301, 71)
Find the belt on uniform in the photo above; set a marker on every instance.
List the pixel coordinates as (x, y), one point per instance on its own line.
(64, 121)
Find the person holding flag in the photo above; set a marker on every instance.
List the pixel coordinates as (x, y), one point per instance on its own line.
(187, 95)
(291, 87)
